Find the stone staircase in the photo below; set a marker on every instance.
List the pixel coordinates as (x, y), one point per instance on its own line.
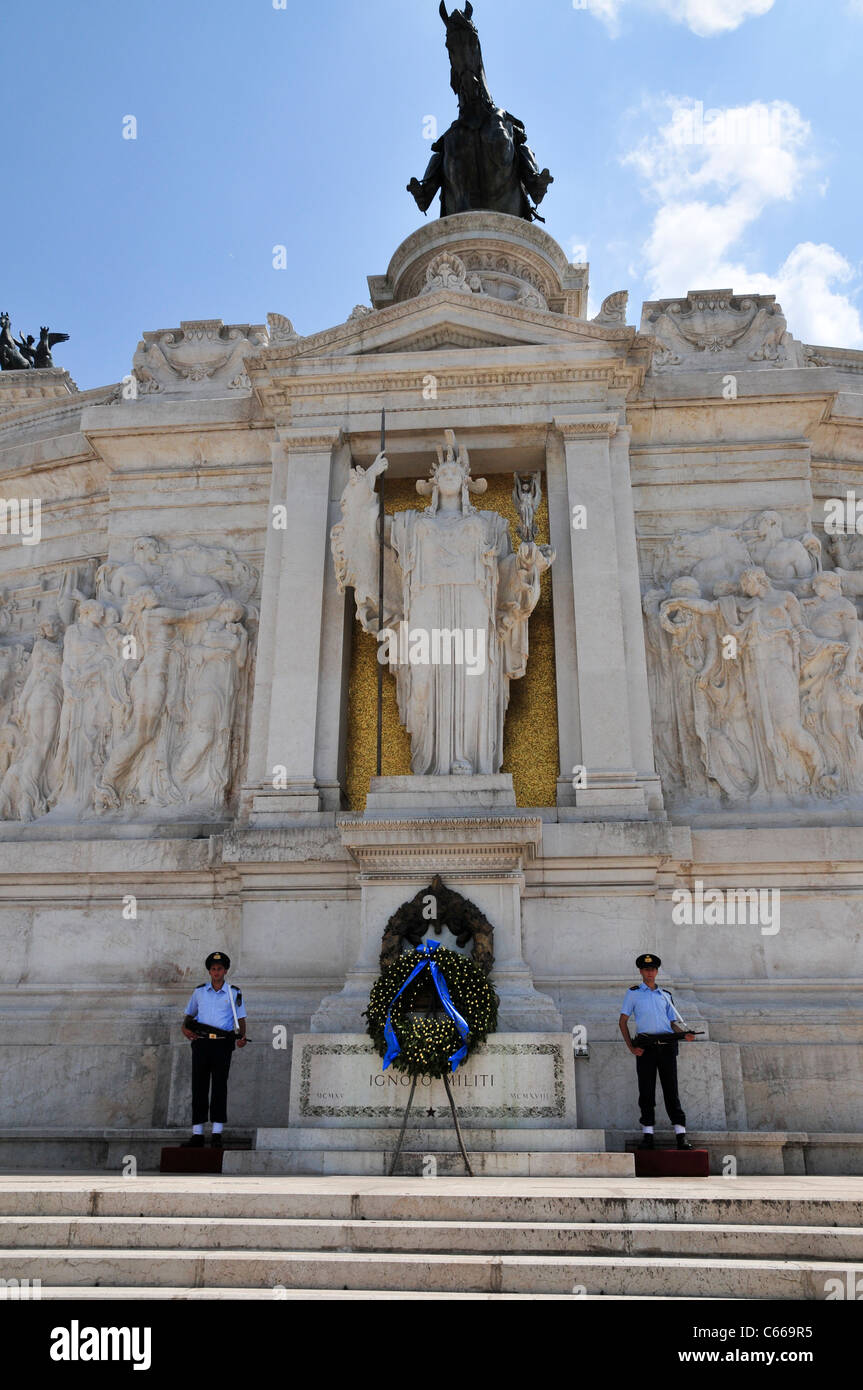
(292, 1237)
(368, 1152)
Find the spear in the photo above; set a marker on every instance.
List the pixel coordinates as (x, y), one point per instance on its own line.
(381, 592)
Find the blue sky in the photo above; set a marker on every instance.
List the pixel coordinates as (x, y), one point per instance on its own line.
(259, 126)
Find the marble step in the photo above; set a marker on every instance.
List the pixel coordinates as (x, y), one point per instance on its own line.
(439, 1237)
(774, 1201)
(425, 1139)
(655, 1276)
(107, 1294)
(377, 1163)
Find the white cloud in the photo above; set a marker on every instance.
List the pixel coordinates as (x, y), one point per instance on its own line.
(712, 175)
(578, 251)
(703, 17)
(709, 17)
(855, 6)
(606, 10)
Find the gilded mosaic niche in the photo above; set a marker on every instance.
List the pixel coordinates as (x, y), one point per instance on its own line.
(530, 735)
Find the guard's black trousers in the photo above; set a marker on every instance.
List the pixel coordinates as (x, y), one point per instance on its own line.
(211, 1062)
(664, 1061)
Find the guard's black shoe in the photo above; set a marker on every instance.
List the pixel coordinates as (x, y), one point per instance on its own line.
(646, 1141)
(216, 1141)
(683, 1142)
(196, 1142)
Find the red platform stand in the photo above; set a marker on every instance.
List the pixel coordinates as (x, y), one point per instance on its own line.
(671, 1163)
(178, 1160)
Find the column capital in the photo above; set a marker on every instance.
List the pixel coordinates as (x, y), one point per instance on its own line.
(586, 426)
(304, 439)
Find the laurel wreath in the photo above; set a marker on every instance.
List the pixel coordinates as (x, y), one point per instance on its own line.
(428, 1041)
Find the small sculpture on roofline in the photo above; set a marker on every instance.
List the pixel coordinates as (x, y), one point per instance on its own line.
(20, 354)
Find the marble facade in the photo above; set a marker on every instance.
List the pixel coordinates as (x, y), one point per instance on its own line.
(175, 685)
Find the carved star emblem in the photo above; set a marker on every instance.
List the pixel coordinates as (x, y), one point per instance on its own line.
(431, 1112)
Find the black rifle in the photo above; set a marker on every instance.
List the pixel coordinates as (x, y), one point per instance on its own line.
(662, 1039)
(209, 1030)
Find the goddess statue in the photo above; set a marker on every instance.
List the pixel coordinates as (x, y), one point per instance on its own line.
(453, 587)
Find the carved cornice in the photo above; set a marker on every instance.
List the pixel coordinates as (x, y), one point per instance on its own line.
(613, 375)
(302, 440)
(844, 359)
(38, 384)
(492, 847)
(586, 426)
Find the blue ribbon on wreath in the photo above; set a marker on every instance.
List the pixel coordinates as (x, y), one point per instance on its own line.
(426, 950)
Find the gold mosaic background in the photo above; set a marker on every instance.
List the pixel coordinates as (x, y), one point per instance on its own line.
(530, 734)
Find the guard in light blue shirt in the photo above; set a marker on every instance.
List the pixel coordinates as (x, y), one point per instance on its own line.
(214, 1023)
(658, 1026)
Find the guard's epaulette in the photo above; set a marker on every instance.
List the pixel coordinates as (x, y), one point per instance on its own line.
(202, 986)
(670, 995)
(632, 987)
(239, 993)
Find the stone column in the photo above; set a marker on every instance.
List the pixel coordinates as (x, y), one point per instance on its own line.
(282, 784)
(599, 592)
(640, 722)
(565, 663)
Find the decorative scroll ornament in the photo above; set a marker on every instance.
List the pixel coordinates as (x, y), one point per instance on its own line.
(201, 357)
(613, 311)
(707, 324)
(282, 331)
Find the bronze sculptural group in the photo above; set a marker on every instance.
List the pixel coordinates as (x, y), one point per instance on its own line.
(20, 354)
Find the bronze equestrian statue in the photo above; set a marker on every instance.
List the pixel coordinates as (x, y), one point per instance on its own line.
(483, 162)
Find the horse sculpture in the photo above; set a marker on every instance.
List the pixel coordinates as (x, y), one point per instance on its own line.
(11, 357)
(483, 162)
(17, 354)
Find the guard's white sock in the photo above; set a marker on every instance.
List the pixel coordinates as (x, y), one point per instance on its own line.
(197, 1129)
(647, 1129)
(680, 1129)
(217, 1126)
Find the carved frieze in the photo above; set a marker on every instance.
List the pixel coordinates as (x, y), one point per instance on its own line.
(134, 690)
(755, 666)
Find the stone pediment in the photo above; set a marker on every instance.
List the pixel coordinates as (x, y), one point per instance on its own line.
(446, 319)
